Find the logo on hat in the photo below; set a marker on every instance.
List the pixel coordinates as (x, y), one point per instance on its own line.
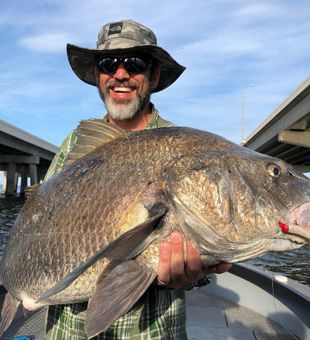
(115, 28)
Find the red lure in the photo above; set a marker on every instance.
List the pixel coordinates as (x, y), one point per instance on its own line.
(284, 227)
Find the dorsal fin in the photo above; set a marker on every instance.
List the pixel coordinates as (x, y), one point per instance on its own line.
(91, 134)
(31, 190)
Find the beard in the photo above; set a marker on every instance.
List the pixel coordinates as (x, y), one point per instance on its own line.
(122, 110)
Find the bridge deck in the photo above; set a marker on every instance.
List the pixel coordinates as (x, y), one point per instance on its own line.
(22, 155)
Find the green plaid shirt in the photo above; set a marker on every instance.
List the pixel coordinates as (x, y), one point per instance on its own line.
(159, 314)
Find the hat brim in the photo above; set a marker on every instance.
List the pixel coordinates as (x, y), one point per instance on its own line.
(82, 62)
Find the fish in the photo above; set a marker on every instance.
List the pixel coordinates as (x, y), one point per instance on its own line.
(92, 231)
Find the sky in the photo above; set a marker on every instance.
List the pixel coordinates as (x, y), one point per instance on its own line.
(237, 53)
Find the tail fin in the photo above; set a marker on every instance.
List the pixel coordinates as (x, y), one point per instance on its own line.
(9, 309)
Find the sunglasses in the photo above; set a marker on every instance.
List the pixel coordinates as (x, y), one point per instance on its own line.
(133, 65)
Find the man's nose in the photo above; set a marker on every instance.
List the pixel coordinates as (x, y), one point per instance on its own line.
(121, 73)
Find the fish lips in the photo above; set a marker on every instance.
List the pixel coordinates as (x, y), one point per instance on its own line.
(299, 223)
(301, 216)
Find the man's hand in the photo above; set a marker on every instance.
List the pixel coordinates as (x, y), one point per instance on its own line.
(176, 269)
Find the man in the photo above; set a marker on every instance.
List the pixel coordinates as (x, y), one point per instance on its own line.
(127, 66)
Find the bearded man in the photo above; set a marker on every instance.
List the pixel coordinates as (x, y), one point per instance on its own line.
(127, 67)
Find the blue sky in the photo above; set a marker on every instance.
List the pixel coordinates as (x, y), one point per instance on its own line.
(258, 50)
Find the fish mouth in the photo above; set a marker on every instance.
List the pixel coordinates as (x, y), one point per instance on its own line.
(301, 216)
(298, 228)
(298, 234)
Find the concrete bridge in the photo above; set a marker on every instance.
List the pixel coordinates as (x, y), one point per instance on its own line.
(286, 131)
(22, 157)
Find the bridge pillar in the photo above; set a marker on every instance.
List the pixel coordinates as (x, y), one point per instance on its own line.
(11, 179)
(23, 183)
(33, 174)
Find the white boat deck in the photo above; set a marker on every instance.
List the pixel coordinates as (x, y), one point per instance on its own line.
(212, 318)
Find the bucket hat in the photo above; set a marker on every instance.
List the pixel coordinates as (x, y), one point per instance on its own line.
(123, 37)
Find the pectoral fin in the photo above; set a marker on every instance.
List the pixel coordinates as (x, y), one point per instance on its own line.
(127, 246)
(115, 294)
(9, 309)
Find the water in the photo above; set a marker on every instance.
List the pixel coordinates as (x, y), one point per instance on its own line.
(9, 209)
(294, 264)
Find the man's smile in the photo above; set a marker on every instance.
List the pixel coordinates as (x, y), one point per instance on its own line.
(122, 89)
(122, 92)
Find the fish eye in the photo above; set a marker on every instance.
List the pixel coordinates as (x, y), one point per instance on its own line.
(274, 170)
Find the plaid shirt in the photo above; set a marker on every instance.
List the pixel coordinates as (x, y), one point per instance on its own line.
(159, 314)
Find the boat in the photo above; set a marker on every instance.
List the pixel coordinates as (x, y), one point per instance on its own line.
(248, 303)
(245, 303)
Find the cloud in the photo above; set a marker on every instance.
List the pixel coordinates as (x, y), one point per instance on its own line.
(252, 10)
(46, 43)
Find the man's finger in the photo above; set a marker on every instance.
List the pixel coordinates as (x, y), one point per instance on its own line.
(177, 260)
(193, 264)
(163, 272)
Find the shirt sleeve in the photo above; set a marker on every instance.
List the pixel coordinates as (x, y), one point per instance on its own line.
(61, 156)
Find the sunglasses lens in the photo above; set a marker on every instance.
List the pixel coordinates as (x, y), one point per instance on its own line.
(135, 65)
(108, 65)
(132, 65)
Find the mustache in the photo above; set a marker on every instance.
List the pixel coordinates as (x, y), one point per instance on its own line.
(125, 83)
